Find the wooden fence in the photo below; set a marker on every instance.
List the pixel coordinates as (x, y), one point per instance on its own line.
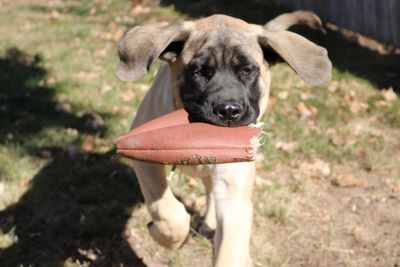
(378, 19)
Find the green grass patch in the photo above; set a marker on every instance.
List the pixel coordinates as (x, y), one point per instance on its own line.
(65, 197)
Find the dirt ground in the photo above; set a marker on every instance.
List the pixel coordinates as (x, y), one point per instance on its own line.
(327, 192)
(316, 222)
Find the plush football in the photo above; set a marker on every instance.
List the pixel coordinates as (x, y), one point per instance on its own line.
(172, 139)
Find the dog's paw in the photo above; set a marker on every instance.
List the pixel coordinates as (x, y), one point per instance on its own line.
(170, 238)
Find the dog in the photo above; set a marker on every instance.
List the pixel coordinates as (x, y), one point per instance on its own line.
(218, 69)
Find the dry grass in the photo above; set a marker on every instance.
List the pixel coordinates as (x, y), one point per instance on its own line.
(328, 185)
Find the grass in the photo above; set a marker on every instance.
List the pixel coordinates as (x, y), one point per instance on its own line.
(275, 205)
(67, 199)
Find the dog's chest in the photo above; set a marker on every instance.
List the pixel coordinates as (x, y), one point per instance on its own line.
(199, 170)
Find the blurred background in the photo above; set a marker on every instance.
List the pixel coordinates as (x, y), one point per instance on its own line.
(328, 183)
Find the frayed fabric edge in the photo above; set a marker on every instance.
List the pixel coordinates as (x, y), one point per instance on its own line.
(259, 140)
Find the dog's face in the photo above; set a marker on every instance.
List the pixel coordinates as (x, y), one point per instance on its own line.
(219, 83)
(220, 65)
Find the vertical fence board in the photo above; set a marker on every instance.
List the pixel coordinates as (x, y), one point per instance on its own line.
(379, 19)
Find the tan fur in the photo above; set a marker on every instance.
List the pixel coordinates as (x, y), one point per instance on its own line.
(229, 186)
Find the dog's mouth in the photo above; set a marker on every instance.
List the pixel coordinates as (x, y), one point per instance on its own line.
(207, 114)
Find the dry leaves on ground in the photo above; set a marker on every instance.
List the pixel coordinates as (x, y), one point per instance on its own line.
(127, 96)
(389, 97)
(347, 180)
(316, 168)
(306, 111)
(283, 95)
(140, 10)
(389, 94)
(341, 139)
(353, 102)
(287, 147)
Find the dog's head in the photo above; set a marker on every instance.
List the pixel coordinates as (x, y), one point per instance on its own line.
(219, 64)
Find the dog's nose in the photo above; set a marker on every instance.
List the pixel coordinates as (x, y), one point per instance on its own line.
(228, 111)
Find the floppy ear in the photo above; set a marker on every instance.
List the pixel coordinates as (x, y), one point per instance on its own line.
(140, 47)
(307, 59)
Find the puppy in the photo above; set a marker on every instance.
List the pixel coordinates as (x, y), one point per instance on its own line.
(218, 70)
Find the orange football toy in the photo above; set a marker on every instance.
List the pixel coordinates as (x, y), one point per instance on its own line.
(172, 139)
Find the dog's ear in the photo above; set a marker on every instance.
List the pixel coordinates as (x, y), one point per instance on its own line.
(307, 59)
(300, 17)
(140, 47)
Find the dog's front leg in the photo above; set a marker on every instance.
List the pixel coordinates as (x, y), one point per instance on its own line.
(209, 223)
(232, 187)
(171, 222)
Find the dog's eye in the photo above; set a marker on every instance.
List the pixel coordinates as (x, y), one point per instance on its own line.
(198, 72)
(245, 71)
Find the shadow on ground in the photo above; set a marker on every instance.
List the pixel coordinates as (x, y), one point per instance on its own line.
(346, 55)
(77, 205)
(27, 103)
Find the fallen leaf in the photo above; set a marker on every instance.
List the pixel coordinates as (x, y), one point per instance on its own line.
(283, 95)
(287, 147)
(92, 11)
(112, 26)
(395, 188)
(101, 53)
(313, 126)
(360, 127)
(347, 180)
(105, 35)
(28, 26)
(90, 254)
(127, 96)
(140, 10)
(25, 182)
(333, 86)
(317, 168)
(306, 110)
(141, 87)
(104, 148)
(357, 107)
(306, 96)
(389, 95)
(299, 83)
(105, 88)
(353, 103)
(118, 19)
(72, 132)
(121, 111)
(87, 75)
(88, 144)
(382, 104)
(340, 139)
(118, 35)
(54, 15)
(50, 81)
